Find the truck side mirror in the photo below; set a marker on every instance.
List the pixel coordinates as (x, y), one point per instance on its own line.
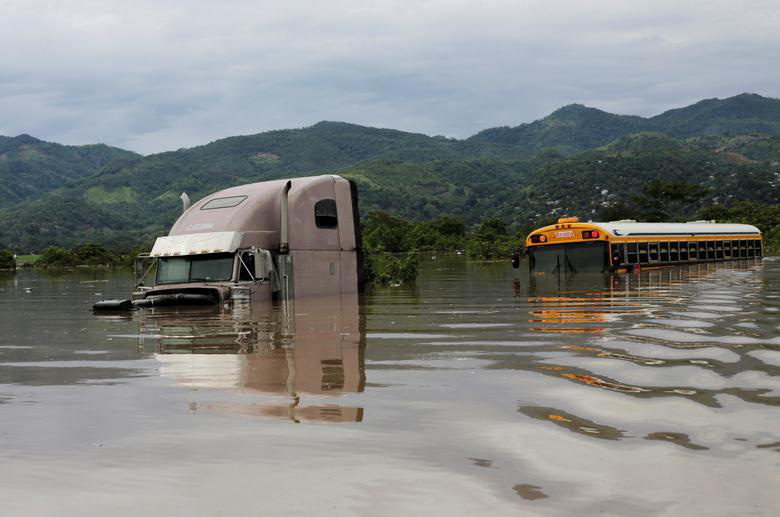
(515, 259)
(262, 265)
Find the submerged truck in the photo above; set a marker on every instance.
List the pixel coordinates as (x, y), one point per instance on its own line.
(256, 243)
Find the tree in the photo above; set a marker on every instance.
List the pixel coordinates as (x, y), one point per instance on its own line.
(54, 256)
(384, 231)
(7, 260)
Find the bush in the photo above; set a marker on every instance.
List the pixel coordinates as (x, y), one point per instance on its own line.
(93, 255)
(765, 217)
(497, 248)
(7, 260)
(491, 241)
(772, 241)
(448, 226)
(83, 255)
(384, 268)
(386, 232)
(54, 256)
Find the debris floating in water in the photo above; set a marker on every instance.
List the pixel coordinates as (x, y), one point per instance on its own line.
(154, 301)
(113, 305)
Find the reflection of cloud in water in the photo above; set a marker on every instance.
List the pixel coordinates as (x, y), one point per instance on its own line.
(678, 331)
(676, 336)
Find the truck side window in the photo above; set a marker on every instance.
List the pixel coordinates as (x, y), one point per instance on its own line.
(245, 275)
(325, 214)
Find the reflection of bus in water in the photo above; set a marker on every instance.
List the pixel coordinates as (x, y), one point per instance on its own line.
(570, 246)
(302, 361)
(595, 302)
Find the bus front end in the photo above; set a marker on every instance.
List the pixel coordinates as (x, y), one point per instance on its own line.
(568, 247)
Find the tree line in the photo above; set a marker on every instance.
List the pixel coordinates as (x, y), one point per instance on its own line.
(392, 244)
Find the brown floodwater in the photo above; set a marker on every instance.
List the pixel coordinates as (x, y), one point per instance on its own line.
(480, 390)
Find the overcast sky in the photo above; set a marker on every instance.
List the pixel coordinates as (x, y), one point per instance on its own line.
(159, 75)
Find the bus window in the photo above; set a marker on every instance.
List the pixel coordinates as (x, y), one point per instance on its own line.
(664, 252)
(683, 251)
(586, 257)
(719, 249)
(547, 259)
(693, 253)
(644, 256)
(674, 251)
(633, 255)
(653, 251)
(726, 249)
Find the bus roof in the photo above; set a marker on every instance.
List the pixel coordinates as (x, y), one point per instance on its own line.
(626, 228)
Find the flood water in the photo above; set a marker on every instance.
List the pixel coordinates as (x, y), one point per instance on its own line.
(480, 390)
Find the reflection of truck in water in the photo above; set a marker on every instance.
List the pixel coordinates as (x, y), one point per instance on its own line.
(256, 243)
(252, 361)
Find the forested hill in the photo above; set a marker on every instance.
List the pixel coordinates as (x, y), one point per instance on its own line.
(581, 161)
(577, 128)
(131, 200)
(611, 182)
(30, 167)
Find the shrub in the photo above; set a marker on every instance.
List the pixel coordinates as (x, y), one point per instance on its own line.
(54, 256)
(7, 260)
(384, 268)
(491, 241)
(497, 248)
(383, 231)
(93, 255)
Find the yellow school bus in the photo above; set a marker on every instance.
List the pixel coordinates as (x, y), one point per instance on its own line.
(571, 246)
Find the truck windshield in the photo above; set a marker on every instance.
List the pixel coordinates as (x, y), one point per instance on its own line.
(201, 268)
(585, 257)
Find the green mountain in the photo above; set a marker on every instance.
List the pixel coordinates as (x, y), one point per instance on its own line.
(741, 114)
(570, 129)
(134, 199)
(577, 128)
(30, 167)
(589, 183)
(577, 161)
(531, 192)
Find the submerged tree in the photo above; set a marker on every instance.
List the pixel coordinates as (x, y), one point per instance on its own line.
(7, 260)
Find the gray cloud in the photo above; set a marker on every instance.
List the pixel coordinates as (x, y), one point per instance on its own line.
(153, 76)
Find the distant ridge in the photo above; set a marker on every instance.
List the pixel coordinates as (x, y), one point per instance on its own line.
(30, 167)
(744, 113)
(575, 128)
